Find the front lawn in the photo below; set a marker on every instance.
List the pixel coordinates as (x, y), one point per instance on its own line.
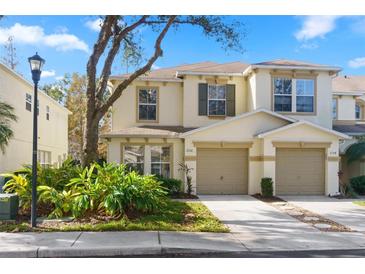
(174, 216)
(360, 203)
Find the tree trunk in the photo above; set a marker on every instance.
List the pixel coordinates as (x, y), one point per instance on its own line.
(91, 139)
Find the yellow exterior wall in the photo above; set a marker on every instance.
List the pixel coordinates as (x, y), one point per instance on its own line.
(241, 130)
(124, 111)
(190, 103)
(52, 133)
(346, 107)
(305, 133)
(262, 97)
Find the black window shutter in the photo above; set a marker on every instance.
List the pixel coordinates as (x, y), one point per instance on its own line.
(231, 100)
(203, 99)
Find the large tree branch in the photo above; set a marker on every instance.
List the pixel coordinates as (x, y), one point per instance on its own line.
(104, 36)
(158, 52)
(103, 81)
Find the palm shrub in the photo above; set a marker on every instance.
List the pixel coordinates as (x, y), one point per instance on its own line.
(173, 186)
(267, 189)
(358, 184)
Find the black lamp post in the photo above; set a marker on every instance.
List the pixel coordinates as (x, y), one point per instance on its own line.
(36, 64)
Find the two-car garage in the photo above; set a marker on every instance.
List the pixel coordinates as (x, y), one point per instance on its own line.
(225, 171)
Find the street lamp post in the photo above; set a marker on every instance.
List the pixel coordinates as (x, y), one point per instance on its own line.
(36, 64)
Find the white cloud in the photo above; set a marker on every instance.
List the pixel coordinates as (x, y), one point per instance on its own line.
(48, 73)
(155, 67)
(33, 35)
(94, 25)
(309, 46)
(316, 26)
(59, 78)
(357, 62)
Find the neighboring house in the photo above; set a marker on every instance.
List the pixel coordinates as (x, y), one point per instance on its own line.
(52, 124)
(233, 124)
(349, 118)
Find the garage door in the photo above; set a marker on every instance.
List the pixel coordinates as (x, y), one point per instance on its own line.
(300, 171)
(222, 171)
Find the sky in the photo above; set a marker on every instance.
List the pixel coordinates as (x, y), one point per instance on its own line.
(66, 42)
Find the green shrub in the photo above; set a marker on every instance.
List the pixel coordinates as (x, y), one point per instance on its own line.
(267, 189)
(172, 185)
(358, 184)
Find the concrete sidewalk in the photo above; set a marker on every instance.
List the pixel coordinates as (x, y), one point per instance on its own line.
(155, 243)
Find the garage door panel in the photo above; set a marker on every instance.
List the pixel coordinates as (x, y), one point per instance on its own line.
(222, 171)
(300, 171)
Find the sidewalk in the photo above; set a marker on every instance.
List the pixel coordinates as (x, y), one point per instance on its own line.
(155, 243)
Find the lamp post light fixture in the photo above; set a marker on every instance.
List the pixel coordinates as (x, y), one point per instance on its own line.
(36, 64)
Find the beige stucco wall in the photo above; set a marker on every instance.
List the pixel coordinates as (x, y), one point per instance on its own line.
(114, 153)
(191, 83)
(170, 112)
(52, 133)
(260, 86)
(305, 133)
(240, 130)
(346, 107)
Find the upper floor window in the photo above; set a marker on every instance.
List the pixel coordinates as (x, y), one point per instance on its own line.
(282, 94)
(28, 102)
(305, 95)
(217, 100)
(293, 95)
(334, 109)
(357, 112)
(147, 104)
(47, 112)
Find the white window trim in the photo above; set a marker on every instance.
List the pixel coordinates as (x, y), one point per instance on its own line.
(225, 101)
(294, 96)
(161, 162)
(28, 99)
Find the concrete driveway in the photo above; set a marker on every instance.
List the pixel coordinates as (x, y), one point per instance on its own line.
(342, 211)
(259, 226)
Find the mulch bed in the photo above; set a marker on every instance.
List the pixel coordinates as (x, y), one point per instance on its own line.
(302, 214)
(183, 195)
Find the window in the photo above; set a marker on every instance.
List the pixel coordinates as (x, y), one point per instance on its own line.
(147, 104)
(217, 100)
(44, 158)
(334, 109)
(134, 158)
(305, 95)
(28, 102)
(282, 94)
(47, 112)
(357, 112)
(293, 95)
(160, 160)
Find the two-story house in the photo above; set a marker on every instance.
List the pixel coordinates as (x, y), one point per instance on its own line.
(233, 124)
(52, 124)
(348, 111)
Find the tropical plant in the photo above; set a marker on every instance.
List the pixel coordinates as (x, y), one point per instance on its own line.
(356, 150)
(173, 186)
(187, 170)
(6, 117)
(19, 184)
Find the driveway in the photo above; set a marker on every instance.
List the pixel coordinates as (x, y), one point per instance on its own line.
(342, 211)
(259, 226)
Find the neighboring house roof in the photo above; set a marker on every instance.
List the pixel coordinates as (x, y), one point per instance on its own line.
(149, 131)
(26, 82)
(352, 83)
(353, 130)
(247, 114)
(302, 122)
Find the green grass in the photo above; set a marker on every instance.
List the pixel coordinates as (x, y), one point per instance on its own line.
(360, 203)
(170, 218)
